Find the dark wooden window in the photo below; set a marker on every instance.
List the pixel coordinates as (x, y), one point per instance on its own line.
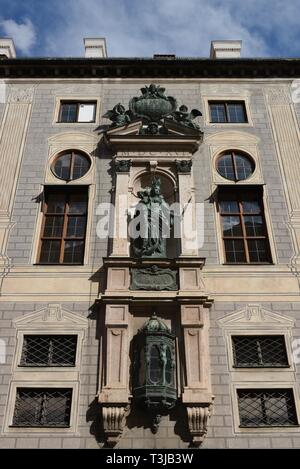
(42, 407)
(49, 350)
(250, 351)
(71, 165)
(64, 226)
(235, 166)
(243, 227)
(74, 111)
(227, 111)
(267, 407)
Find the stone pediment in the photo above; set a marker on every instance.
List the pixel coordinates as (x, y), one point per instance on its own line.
(254, 316)
(51, 316)
(128, 138)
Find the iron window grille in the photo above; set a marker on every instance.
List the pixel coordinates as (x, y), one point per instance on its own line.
(42, 407)
(259, 351)
(266, 408)
(49, 350)
(222, 112)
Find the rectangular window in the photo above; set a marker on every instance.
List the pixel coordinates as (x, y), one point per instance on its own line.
(41, 407)
(74, 111)
(259, 351)
(243, 226)
(49, 350)
(222, 112)
(266, 407)
(64, 226)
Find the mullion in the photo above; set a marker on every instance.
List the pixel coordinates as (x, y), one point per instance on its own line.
(226, 112)
(244, 231)
(234, 166)
(64, 230)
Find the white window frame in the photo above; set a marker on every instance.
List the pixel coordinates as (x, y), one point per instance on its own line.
(79, 100)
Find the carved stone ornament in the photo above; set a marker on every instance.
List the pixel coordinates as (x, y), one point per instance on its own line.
(113, 422)
(197, 420)
(183, 166)
(21, 95)
(122, 166)
(153, 107)
(153, 278)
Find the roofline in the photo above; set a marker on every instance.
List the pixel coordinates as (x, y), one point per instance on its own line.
(143, 67)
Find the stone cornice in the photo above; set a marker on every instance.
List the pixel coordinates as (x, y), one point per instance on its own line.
(149, 68)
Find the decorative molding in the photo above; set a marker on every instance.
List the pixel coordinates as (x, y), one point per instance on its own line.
(278, 96)
(53, 315)
(113, 422)
(252, 316)
(122, 166)
(153, 278)
(231, 138)
(184, 166)
(197, 419)
(21, 95)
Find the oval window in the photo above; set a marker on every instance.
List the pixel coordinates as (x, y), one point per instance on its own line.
(71, 165)
(235, 166)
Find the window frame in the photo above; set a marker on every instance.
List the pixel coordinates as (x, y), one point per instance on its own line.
(239, 193)
(225, 103)
(258, 367)
(78, 103)
(42, 366)
(14, 425)
(276, 384)
(73, 153)
(212, 98)
(63, 238)
(233, 155)
(78, 99)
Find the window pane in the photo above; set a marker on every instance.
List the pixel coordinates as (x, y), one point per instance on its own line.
(259, 351)
(155, 365)
(68, 112)
(53, 227)
(236, 112)
(235, 251)
(50, 251)
(225, 167)
(62, 166)
(35, 351)
(229, 206)
(76, 227)
(73, 252)
(258, 250)
(251, 206)
(78, 203)
(81, 166)
(169, 368)
(217, 112)
(231, 226)
(254, 225)
(37, 407)
(56, 203)
(86, 113)
(243, 167)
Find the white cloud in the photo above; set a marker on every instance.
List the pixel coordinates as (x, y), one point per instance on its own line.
(134, 28)
(23, 34)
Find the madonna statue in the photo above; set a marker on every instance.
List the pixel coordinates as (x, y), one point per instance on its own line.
(152, 223)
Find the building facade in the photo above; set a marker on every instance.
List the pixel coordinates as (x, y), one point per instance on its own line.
(189, 340)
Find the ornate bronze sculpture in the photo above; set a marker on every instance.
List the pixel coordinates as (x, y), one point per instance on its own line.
(155, 219)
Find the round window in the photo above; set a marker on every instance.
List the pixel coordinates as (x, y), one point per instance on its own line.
(235, 166)
(71, 165)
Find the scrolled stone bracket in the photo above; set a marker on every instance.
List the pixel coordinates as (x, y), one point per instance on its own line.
(114, 417)
(198, 416)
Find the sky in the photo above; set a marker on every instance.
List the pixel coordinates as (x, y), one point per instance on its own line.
(137, 28)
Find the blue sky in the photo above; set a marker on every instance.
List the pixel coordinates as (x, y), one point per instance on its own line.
(133, 28)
